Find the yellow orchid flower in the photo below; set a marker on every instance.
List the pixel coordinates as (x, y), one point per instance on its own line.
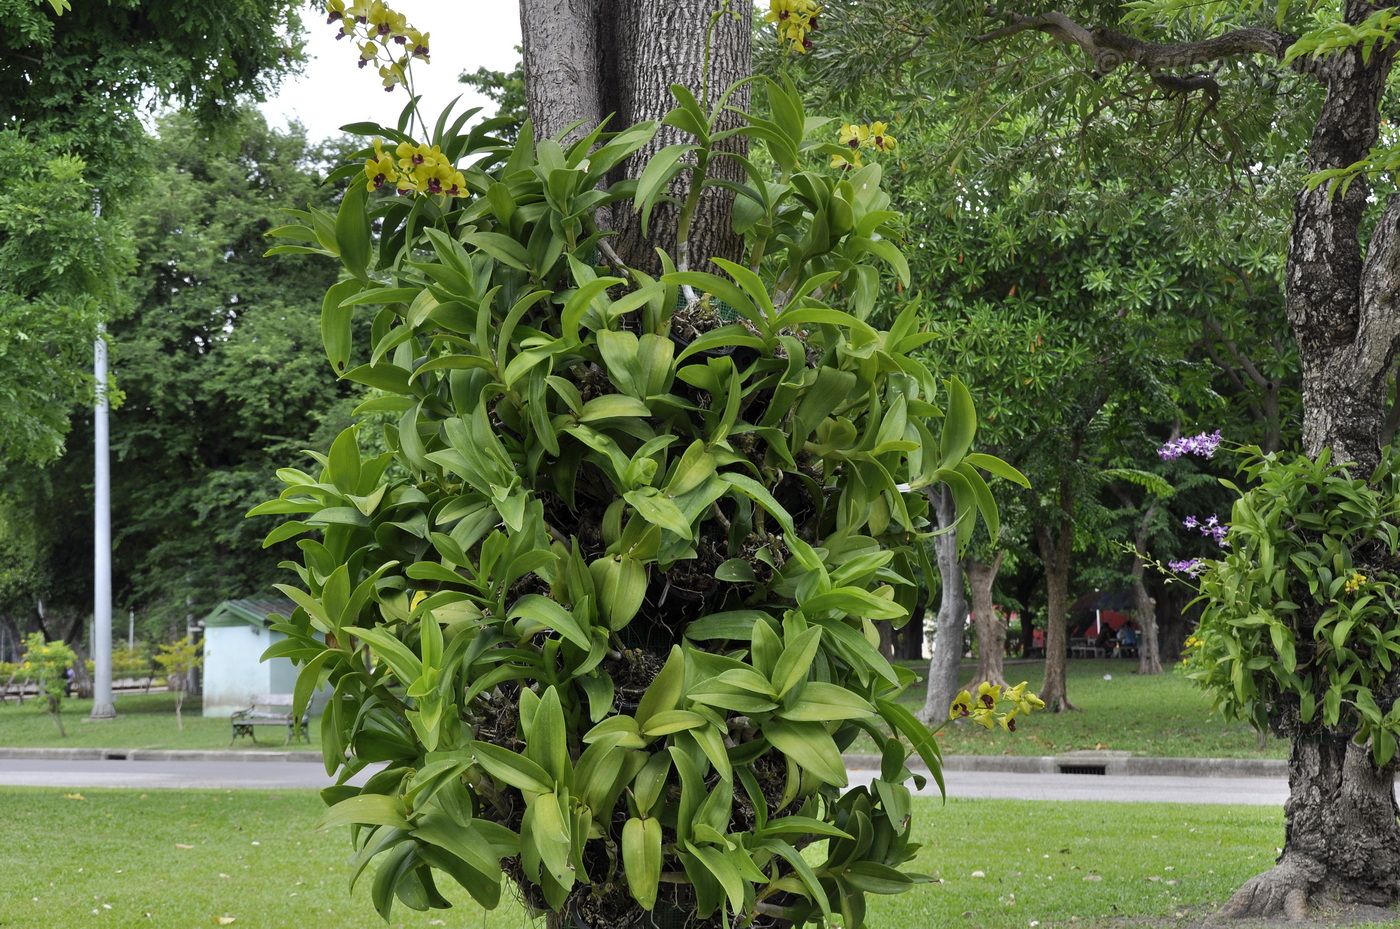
(961, 707)
(985, 718)
(335, 9)
(391, 76)
(379, 170)
(1007, 721)
(880, 136)
(853, 136)
(417, 43)
(381, 19)
(988, 694)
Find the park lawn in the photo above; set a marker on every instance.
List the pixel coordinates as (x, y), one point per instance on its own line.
(124, 858)
(1164, 715)
(143, 721)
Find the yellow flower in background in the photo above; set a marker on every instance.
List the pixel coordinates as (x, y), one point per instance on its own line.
(794, 19)
(853, 136)
(881, 138)
(1354, 582)
(856, 136)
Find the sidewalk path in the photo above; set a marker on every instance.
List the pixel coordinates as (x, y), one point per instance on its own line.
(65, 773)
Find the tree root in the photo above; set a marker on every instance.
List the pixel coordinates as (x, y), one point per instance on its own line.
(1282, 892)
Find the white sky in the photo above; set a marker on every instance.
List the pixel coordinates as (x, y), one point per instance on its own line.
(332, 91)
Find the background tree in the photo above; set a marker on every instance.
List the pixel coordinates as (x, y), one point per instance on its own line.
(48, 664)
(1230, 86)
(177, 659)
(218, 352)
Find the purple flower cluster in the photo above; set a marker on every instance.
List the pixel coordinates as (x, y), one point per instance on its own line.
(1204, 445)
(1212, 528)
(1192, 567)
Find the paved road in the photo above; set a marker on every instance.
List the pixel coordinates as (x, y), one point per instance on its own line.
(967, 784)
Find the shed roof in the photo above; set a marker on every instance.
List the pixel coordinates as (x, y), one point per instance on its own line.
(248, 612)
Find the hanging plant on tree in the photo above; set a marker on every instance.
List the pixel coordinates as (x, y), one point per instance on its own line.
(606, 609)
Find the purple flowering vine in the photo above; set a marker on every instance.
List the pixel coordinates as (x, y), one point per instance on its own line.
(1211, 528)
(1191, 567)
(1203, 445)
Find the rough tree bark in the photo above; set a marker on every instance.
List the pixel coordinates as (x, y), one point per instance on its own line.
(989, 622)
(1342, 840)
(593, 59)
(1144, 606)
(952, 615)
(1056, 547)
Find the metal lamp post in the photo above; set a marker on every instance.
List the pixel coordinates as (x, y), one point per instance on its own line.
(102, 707)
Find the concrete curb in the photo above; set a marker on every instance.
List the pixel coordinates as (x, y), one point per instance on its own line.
(1083, 763)
(155, 754)
(1120, 764)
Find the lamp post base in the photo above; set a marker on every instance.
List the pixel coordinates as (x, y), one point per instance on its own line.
(103, 711)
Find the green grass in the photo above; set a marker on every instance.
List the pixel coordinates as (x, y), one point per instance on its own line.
(1161, 715)
(143, 721)
(1165, 715)
(256, 856)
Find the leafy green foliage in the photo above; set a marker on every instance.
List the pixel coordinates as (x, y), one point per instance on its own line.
(1299, 626)
(59, 268)
(177, 660)
(47, 664)
(78, 76)
(607, 604)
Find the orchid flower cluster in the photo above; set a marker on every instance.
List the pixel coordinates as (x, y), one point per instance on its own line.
(995, 705)
(419, 169)
(857, 137)
(1203, 445)
(1191, 567)
(794, 19)
(378, 28)
(1210, 527)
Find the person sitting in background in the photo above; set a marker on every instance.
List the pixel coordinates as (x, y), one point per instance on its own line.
(1127, 639)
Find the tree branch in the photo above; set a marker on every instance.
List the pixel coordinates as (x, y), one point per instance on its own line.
(1109, 49)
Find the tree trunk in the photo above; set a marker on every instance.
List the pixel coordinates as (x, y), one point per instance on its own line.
(590, 59)
(952, 616)
(1144, 607)
(1341, 837)
(563, 64)
(1055, 549)
(990, 624)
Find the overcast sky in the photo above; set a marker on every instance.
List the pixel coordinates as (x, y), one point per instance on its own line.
(463, 34)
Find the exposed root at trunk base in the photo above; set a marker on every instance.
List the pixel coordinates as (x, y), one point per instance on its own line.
(1299, 891)
(1282, 892)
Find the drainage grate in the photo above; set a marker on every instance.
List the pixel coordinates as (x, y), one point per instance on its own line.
(1083, 769)
(114, 756)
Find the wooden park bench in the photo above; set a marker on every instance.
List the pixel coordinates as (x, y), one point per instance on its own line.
(269, 710)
